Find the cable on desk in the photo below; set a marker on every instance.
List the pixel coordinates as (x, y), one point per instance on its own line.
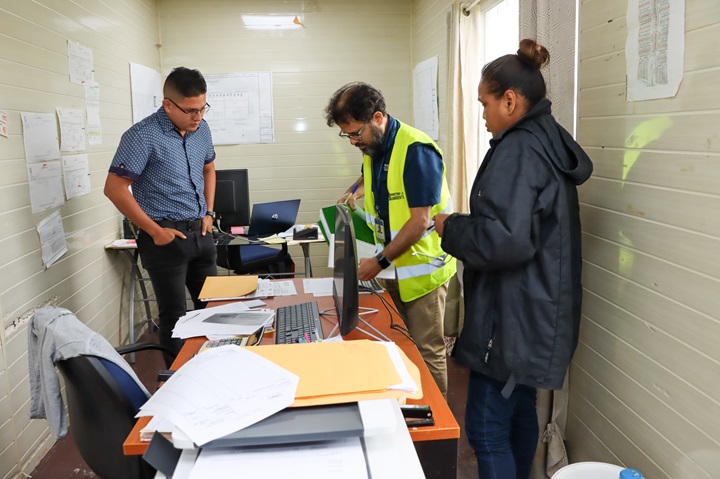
(390, 308)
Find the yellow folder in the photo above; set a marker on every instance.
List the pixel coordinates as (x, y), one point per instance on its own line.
(339, 372)
(227, 287)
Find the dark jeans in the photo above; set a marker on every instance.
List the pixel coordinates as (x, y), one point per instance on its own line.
(172, 267)
(502, 432)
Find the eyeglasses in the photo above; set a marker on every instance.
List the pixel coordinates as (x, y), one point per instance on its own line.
(352, 136)
(201, 111)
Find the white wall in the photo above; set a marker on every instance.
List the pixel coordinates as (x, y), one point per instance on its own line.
(645, 382)
(342, 42)
(86, 280)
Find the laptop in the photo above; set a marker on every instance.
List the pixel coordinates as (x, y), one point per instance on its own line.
(271, 218)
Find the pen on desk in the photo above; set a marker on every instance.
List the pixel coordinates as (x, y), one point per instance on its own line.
(307, 338)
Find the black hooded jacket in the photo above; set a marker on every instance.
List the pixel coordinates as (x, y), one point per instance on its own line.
(520, 246)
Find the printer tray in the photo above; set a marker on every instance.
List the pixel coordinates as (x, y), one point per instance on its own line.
(298, 424)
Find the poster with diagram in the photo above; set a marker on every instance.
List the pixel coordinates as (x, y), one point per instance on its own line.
(654, 48)
(241, 108)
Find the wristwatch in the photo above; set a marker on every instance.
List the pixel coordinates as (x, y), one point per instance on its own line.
(211, 214)
(384, 262)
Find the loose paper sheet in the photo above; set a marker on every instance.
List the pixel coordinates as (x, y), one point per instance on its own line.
(80, 61)
(425, 102)
(3, 123)
(40, 137)
(52, 239)
(45, 186)
(654, 49)
(76, 174)
(205, 405)
(242, 108)
(72, 129)
(92, 109)
(146, 86)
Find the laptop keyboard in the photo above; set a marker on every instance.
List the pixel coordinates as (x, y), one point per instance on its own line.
(297, 323)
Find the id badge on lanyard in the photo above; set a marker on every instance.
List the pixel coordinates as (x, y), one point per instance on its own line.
(380, 230)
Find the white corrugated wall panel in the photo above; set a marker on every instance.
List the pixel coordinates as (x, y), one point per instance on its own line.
(644, 383)
(87, 279)
(341, 42)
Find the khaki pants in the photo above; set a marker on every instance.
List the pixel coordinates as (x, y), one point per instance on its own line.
(424, 319)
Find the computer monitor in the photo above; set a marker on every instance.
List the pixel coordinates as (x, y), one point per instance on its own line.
(345, 271)
(232, 197)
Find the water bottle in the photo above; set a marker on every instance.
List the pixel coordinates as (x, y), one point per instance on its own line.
(630, 474)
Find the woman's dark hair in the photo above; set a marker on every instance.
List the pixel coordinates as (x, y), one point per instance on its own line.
(354, 101)
(519, 72)
(186, 82)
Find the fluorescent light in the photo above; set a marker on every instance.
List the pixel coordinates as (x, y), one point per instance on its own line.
(271, 22)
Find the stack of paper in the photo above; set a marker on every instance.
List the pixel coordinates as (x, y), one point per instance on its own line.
(347, 371)
(234, 319)
(223, 390)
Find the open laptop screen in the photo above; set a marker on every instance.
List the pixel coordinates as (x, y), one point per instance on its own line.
(273, 217)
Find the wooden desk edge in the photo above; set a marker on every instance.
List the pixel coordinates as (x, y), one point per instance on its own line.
(446, 426)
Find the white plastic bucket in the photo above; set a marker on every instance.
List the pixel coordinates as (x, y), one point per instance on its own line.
(588, 470)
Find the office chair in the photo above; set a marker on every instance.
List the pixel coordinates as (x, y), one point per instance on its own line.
(103, 393)
(102, 402)
(255, 259)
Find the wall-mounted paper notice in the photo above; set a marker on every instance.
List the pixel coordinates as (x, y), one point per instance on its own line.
(147, 93)
(45, 186)
(72, 129)
(3, 123)
(92, 108)
(76, 175)
(80, 61)
(40, 137)
(52, 239)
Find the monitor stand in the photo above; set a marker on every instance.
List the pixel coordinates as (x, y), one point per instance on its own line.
(361, 310)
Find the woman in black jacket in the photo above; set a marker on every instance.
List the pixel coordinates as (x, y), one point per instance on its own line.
(520, 246)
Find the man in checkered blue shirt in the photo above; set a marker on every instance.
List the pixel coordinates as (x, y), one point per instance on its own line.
(168, 158)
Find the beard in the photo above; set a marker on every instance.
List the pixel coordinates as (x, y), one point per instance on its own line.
(374, 146)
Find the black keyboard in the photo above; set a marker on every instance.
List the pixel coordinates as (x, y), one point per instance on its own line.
(297, 323)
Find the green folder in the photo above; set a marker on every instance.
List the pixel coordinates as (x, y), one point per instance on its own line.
(362, 230)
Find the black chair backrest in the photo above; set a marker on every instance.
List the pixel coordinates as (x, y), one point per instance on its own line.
(101, 417)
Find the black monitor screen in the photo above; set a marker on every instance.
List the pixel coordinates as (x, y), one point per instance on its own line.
(345, 271)
(232, 197)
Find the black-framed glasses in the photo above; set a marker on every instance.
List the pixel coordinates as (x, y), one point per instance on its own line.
(352, 136)
(201, 111)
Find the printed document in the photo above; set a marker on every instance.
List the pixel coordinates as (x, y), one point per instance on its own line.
(221, 391)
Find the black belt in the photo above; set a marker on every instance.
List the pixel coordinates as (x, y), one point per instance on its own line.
(187, 225)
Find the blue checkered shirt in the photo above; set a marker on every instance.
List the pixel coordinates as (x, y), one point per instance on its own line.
(166, 168)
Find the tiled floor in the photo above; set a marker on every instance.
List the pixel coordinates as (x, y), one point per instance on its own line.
(64, 462)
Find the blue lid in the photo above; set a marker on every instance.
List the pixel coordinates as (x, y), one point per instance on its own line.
(630, 474)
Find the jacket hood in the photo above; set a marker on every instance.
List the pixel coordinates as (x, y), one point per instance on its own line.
(565, 153)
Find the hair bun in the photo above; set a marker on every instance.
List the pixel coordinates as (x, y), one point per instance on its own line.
(532, 54)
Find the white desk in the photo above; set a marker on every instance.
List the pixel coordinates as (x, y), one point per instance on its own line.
(390, 456)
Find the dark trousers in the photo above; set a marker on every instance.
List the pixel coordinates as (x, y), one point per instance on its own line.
(502, 432)
(173, 267)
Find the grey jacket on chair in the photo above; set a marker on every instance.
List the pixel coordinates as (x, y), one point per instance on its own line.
(55, 334)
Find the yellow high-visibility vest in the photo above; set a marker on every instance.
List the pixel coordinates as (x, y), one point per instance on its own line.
(425, 266)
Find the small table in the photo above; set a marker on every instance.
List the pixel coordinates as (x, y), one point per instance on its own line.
(129, 246)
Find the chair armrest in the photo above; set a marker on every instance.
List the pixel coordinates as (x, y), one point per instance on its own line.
(132, 348)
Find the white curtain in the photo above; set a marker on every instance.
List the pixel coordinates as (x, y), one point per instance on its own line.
(463, 113)
(552, 24)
